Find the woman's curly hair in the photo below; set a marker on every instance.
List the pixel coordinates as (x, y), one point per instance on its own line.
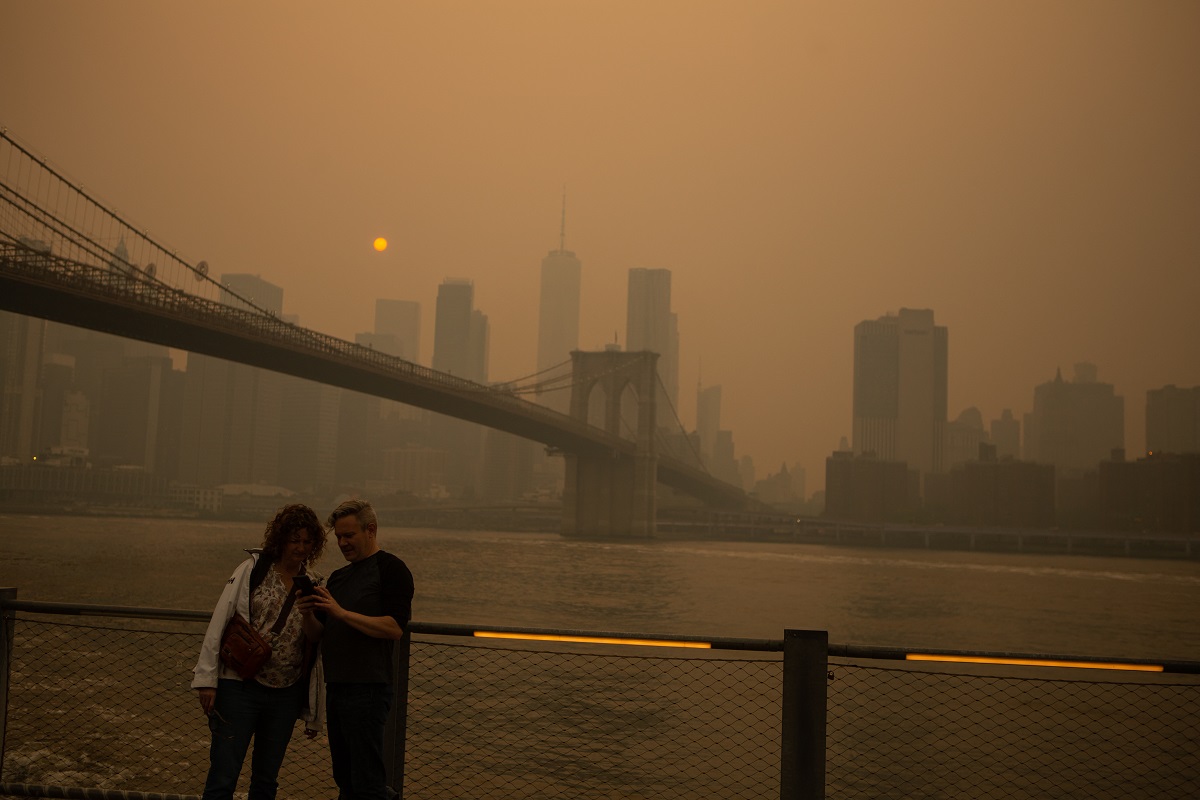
(290, 520)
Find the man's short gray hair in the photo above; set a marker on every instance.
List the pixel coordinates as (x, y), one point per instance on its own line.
(359, 509)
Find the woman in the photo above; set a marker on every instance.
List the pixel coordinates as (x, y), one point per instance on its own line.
(288, 685)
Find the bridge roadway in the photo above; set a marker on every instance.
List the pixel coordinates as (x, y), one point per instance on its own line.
(42, 285)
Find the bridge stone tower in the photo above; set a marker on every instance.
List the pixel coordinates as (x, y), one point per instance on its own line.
(610, 494)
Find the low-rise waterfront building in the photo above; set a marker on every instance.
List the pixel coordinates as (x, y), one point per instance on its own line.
(1159, 493)
(869, 489)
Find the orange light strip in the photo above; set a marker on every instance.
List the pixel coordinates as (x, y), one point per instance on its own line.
(1032, 662)
(547, 637)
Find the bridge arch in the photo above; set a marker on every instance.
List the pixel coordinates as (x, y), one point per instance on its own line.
(613, 493)
(598, 403)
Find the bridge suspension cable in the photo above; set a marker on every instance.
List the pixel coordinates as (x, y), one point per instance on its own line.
(45, 210)
(668, 446)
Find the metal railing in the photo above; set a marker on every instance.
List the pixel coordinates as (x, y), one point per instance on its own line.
(96, 697)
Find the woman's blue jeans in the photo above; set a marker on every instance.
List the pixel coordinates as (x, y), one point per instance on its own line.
(246, 709)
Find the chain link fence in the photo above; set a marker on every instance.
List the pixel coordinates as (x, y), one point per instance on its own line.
(935, 733)
(107, 706)
(492, 722)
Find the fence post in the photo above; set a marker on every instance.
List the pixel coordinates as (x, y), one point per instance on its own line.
(802, 751)
(8, 620)
(397, 724)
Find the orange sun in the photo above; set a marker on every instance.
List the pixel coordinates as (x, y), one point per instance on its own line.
(381, 244)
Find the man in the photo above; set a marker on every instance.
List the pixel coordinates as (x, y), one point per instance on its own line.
(358, 616)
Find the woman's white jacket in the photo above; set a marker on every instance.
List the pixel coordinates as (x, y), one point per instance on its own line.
(236, 599)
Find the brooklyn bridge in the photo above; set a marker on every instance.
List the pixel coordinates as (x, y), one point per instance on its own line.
(66, 257)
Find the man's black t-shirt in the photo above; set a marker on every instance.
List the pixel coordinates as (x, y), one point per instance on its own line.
(377, 586)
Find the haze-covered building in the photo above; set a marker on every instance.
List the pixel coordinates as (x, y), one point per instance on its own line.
(507, 469)
(985, 491)
(708, 420)
(783, 489)
(900, 389)
(1173, 420)
(309, 416)
(1006, 435)
(1074, 424)
(460, 336)
(963, 437)
(1160, 492)
(651, 325)
(21, 348)
(141, 417)
(231, 412)
(869, 489)
(401, 321)
(460, 347)
(558, 315)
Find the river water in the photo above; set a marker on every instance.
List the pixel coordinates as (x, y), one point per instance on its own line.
(1058, 604)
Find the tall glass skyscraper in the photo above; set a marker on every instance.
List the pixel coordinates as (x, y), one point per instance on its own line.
(231, 413)
(460, 347)
(900, 388)
(650, 325)
(401, 320)
(460, 334)
(558, 316)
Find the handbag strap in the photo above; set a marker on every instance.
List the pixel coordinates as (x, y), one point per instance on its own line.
(283, 612)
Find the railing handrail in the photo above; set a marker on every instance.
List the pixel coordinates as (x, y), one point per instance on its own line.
(92, 610)
(1013, 659)
(597, 637)
(907, 654)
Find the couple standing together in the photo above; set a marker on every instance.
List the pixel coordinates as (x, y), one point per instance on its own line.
(355, 619)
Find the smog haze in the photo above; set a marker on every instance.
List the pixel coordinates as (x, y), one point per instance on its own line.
(1028, 170)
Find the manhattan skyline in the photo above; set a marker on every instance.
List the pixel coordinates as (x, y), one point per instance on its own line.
(1028, 172)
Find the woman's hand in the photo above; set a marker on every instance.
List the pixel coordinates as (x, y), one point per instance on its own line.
(208, 699)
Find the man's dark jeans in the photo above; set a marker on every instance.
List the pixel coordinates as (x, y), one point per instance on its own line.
(245, 709)
(356, 714)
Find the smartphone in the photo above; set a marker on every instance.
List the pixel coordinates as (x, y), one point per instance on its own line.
(304, 584)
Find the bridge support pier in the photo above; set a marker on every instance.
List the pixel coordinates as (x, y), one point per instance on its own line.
(611, 494)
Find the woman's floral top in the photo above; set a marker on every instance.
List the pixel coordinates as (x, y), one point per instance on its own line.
(286, 663)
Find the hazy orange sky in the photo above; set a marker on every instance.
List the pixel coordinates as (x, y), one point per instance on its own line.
(1029, 170)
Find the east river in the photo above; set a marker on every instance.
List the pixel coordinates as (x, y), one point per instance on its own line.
(1055, 604)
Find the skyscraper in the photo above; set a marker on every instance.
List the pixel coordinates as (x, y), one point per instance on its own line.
(460, 345)
(1173, 420)
(401, 320)
(309, 435)
(140, 411)
(460, 334)
(708, 420)
(900, 389)
(253, 289)
(650, 325)
(1006, 435)
(1074, 424)
(397, 333)
(21, 343)
(231, 418)
(963, 437)
(558, 314)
